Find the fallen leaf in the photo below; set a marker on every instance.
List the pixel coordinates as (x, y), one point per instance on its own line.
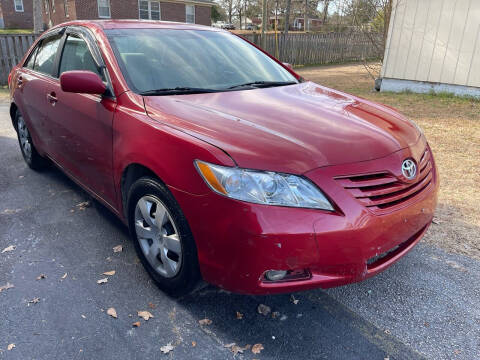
(10, 346)
(229, 345)
(118, 248)
(205, 321)
(151, 305)
(6, 287)
(457, 351)
(275, 314)
(167, 348)
(41, 276)
(109, 273)
(235, 349)
(239, 315)
(137, 324)
(145, 315)
(194, 343)
(34, 300)
(387, 331)
(257, 348)
(83, 205)
(102, 281)
(295, 301)
(264, 309)
(64, 276)
(9, 248)
(112, 312)
(83, 316)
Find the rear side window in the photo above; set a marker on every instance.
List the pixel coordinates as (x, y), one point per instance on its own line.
(45, 59)
(77, 56)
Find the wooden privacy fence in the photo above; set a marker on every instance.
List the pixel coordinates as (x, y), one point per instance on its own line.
(321, 48)
(12, 49)
(296, 49)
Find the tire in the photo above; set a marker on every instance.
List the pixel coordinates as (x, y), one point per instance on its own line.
(29, 152)
(156, 222)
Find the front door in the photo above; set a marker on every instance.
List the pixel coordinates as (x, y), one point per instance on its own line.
(84, 122)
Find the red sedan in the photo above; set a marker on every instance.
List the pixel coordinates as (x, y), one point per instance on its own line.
(224, 163)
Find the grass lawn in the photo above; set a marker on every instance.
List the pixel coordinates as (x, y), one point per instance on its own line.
(452, 127)
(15, 31)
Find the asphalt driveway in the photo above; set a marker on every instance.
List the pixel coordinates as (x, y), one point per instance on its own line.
(425, 306)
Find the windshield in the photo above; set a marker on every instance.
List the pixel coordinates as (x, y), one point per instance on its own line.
(169, 59)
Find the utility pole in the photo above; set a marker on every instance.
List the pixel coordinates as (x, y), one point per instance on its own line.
(37, 17)
(305, 19)
(264, 25)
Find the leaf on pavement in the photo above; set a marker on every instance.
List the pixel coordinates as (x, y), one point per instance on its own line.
(151, 305)
(64, 276)
(194, 343)
(41, 276)
(167, 348)
(257, 348)
(6, 287)
(112, 312)
(34, 301)
(118, 248)
(239, 315)
(102, 281)
(136, 324)
(9, 248)
(235, 349)
(109, 273)
(10, 346)
(205, 321)
(295, 301)
(264, 309)
(145, 314)
(83, 205)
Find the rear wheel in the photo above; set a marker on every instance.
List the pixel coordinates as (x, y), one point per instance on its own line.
(29, 152)
(162, 237)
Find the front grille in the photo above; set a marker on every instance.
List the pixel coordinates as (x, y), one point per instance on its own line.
(383, 191)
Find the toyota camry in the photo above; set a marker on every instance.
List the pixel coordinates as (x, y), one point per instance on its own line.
(226, 166)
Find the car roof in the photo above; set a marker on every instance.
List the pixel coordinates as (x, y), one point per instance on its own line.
(137, 24)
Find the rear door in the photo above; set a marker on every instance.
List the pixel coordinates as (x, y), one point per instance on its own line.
(83, 122)
(32, 83)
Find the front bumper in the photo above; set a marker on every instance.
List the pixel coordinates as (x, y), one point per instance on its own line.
(238, 242)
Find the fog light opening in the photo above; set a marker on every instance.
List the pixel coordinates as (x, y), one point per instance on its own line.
(275, 275)
(287, 275)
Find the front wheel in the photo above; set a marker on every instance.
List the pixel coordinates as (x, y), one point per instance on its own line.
(162, 238)
(29, 152)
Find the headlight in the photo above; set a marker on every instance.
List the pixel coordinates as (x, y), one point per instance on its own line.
(263, 187)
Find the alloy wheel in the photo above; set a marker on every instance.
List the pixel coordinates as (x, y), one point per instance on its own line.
(24, 137)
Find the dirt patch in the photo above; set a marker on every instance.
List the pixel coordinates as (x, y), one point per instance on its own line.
(452, 127)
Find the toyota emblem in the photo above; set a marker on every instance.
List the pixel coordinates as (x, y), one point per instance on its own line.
(409, 169)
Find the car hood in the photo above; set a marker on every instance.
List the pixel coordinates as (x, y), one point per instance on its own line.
(290, 129)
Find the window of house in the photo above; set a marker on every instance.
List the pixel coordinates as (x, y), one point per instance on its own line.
(77, 56)
(149, 10)
(104, 9)
(190, 14)
(45, 58)
(18, 4)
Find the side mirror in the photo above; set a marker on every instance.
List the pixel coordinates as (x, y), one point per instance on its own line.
(83, 82)
(288, 65)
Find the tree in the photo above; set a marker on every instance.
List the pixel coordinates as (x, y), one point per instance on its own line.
(218, 14)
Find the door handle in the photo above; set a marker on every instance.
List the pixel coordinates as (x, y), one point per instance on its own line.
(52, 98)
(19, 82)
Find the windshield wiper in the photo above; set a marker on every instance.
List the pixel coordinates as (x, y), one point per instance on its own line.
(177, 91)
(263, 84)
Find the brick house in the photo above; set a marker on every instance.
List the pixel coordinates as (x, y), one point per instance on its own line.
(17, 14)
(195, 11)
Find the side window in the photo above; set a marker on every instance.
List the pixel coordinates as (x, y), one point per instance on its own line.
(77, 56)
(45, 58)
(31, 59)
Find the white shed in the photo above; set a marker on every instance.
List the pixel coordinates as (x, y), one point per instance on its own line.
(433, 45)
